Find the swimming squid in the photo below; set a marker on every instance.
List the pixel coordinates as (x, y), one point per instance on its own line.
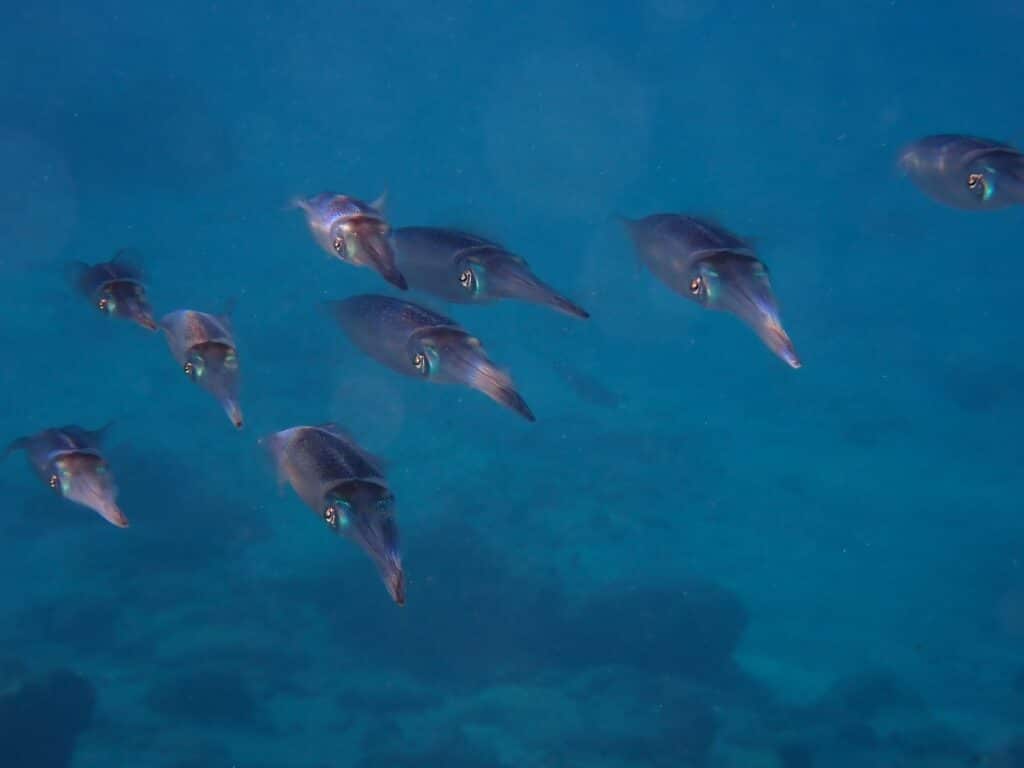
(345, 486)
(115, 287)
(70, 461)
(204, 347)
(352, 231)
(709, 265)
(466, 269)
(965, 171)
(416, 341)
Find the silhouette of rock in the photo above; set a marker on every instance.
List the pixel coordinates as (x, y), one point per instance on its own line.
(688, 728)
(473, 618)
(691, 629)
(40, 721)
(868, 694)
(933, 741)
(872, 718)
(210, 697)
(86, 626)
(980, 386)
(1011, 756)
(470, 618)
(393, 700)
(201, 756)
(794, 756)
(177, 532)
(276, 669)
(452, 751)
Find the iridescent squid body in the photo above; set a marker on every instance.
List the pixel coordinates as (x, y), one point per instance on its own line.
(418, 342)
(115, 287)
(712, 267)
(69, 460)
(965, 171)
(345, 486)
(205, 349)
(466, 269)
(353, 231)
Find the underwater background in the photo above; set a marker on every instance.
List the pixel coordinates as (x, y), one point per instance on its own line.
(696, 556)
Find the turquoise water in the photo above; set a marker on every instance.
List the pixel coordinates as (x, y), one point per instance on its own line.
(696, 556)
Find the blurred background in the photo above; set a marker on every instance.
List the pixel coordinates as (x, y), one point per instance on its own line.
(695, 557)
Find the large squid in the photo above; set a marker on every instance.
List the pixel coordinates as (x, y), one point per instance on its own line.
(345, 486)
(711, 266)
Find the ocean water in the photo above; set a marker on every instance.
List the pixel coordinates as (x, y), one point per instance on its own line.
(696, 556)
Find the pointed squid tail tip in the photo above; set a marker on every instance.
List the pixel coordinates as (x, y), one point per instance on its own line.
(234, 414)
(115, 517)
(570, 308)
(394, 580)
(399, 595)
(779, 342)
(534, 290)
(515, 401)
(498, 386)
(396, 279)
(382, 259)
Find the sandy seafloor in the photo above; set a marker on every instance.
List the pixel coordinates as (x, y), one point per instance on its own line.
(696, 556)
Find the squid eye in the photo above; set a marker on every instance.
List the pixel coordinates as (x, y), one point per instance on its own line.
(696, 285)
(336, 514)
(54, 482)
(419, 360)
(977, 183)
(102, 304)
(339, 244)
(190, 369)
(466, 279)
(231, 360)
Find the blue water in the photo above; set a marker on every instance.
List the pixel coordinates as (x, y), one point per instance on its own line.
(696, 557)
